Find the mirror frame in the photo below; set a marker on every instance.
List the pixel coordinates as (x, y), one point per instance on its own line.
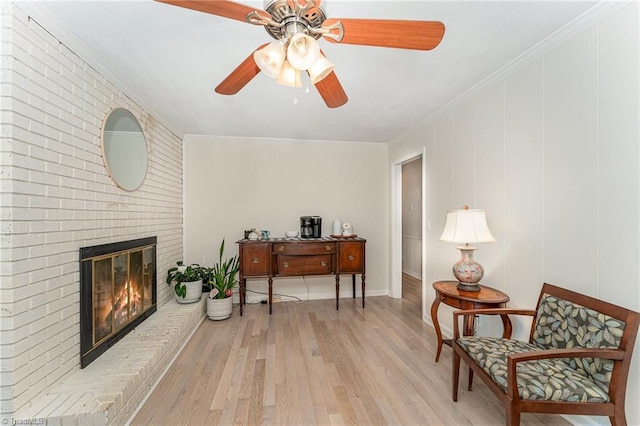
(129, 149)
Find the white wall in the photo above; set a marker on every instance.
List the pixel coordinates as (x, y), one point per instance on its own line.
(552, 153)
(237, 184)
(57, 197)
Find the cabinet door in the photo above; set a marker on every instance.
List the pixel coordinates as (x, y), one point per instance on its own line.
(351, 256)
(255, 259)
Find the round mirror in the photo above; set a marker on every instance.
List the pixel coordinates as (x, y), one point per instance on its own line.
(124, 149)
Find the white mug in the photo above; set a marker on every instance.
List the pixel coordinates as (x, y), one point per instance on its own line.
(337, 227)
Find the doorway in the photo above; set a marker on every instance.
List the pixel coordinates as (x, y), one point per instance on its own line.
(396, 252)
(412, 233)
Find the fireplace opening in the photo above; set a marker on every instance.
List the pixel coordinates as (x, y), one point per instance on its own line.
(117, 292)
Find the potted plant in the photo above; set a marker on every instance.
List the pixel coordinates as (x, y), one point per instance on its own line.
(221, 279)
(187, 282)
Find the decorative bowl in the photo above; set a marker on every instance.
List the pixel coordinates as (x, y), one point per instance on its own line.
(291, 234)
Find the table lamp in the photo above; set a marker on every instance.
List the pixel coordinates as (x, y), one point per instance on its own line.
(467, 226)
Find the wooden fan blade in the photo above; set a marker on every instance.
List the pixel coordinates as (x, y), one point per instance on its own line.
(331, 91)
(239, 77)
(418, 35)
(226, 9)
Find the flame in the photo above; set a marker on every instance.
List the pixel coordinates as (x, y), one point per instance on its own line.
(120, 296)
(102, 307)
(128, 303)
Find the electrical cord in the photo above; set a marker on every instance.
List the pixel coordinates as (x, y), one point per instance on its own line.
(296, 299)
(275, 295)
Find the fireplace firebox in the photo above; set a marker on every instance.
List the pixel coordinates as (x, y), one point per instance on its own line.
(117, 292)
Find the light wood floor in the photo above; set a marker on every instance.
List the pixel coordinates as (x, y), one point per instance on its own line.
(412, 293)
(310, 364)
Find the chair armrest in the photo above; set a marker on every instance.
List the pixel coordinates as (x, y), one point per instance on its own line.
(514, 359)
(606, 353)
(489, 311)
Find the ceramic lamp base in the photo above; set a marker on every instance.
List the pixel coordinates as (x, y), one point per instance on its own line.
(467, 270)
(468, 287)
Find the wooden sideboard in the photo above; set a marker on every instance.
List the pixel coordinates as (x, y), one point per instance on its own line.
(280, 257)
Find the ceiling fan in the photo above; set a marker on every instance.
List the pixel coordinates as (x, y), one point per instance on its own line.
(296, 25)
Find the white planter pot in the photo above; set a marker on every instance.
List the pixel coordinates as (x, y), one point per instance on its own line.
(219, 309)
(194, 292)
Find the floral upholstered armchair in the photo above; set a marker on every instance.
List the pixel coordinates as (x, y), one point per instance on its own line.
(576, 361)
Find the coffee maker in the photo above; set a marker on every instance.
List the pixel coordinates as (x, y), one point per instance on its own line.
(310, 226)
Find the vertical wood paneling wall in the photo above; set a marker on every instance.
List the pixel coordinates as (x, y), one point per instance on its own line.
(552, 152)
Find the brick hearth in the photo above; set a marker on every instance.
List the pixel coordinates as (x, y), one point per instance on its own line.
(110, 389)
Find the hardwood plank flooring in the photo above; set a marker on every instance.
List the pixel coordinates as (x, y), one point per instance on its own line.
(310, 364)
(412, 292)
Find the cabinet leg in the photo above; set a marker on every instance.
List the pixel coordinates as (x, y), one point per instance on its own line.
(270, 294)
(353, 283)
(243, 284)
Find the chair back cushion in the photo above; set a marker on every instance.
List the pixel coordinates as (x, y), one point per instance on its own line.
(563, 324)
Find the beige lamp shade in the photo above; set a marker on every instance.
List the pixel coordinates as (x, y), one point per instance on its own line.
(270, 58)
(320, 69)
(303, 51)
(466, 226)
(289, 76)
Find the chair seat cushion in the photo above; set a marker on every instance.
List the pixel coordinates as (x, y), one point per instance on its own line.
(548, 379)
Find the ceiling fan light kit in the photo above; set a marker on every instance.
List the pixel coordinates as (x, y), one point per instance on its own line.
(303, 51)
(289, 76)
(270, 58)
(296, 25)
(320, 69)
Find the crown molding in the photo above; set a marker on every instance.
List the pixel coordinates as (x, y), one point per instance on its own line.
(579, 24)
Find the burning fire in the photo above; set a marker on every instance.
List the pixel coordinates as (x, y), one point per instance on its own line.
(128, 304)
(117, 291)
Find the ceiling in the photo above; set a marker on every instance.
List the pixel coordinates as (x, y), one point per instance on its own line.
(170, 59)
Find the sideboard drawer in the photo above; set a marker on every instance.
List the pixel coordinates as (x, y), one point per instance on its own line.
(255, 259)
(351, 257)
(304, 248)
(304, 265)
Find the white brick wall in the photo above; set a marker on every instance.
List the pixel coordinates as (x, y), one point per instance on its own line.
(57, 197)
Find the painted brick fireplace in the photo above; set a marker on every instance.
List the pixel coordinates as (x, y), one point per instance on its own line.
(56, 198)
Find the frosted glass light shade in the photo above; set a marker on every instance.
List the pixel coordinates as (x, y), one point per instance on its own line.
(466, 226)
(289, 76)
(270, 58)
(320, 69)
(303, 51)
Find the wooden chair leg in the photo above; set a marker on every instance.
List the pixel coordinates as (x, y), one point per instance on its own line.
(470, 384)
(618, 418)
(456, 375)
(512, 414)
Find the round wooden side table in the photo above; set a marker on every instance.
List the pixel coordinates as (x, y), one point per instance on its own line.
(448, 293)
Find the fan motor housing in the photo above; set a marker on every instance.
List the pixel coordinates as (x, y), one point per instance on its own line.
(282, 13)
